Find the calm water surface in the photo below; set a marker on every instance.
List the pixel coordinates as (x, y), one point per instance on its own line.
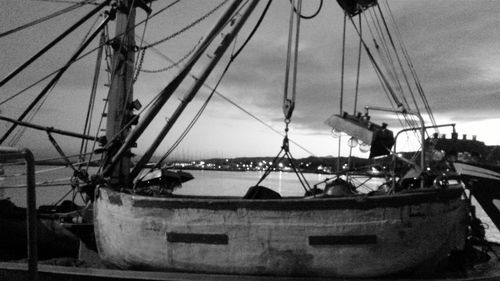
(204, 183)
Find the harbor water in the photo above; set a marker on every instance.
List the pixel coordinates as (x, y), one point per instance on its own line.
(214, 183)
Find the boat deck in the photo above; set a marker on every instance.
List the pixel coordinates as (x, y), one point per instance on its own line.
(84, 272)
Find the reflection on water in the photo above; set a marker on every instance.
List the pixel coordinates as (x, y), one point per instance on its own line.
(213, 183)
(208, 183)
(280, 180)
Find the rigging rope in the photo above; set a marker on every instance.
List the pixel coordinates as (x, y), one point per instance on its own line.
(310, 16)
(41, 80)
(285, 148)
(175, 64)
(411, 67)
(293, 45)
(187, 27)
(289, 104)
(140, 56)
(342, 71)
(386, 85)
(261, 121)
(390, 65)
(42, 97)
(48, 17)
(107, 52)
(358, 70)
(107, 47)
(387, 61)
(69, 2)
(163, 40)
(23, 66)
(29, 118)
(411, 119)
(85, 55)
(46, 159)
(139, 61)
(93, 93)
(77, 173)
(398, 59)
(356, 89)
(234, 103)
(214, 89)
(377, 68)
(88, 118)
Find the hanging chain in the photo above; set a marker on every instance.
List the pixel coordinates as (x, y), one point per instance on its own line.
(139, 64)
(142, 49)
(189, 26)
(289, 102)
(174, 64)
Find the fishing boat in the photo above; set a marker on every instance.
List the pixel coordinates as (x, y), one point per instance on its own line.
(263, 233)
(409, 224)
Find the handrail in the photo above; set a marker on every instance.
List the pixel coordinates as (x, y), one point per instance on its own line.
(422, 131)
(419, 128)
(10, 153)
(394, 155)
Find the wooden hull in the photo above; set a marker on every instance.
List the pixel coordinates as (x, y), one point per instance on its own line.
(348, 237)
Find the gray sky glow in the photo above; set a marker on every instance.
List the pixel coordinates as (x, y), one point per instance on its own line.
(454, 46)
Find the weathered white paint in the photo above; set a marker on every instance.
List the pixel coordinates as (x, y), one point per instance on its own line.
(267, 241)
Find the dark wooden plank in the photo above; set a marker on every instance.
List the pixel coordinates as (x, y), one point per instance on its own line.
(342, 240)
(200, 238)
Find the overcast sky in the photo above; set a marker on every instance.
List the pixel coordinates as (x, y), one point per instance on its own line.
(454, 46)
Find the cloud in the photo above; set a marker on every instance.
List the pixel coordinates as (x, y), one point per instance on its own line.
(453, 45)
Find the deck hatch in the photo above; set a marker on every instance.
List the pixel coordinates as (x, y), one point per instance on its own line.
(342, 239)
(219, 239)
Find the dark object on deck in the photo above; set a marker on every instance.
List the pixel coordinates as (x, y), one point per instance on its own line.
(161, 182)
(339, 188)
(66, 206)
(84, 232)
(314, 191)
(383, 140)
(164, 177)
(74, 218)
(53, 239)
(261, 192)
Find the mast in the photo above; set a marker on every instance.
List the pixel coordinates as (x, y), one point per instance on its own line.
(121, 89)
(170, 88)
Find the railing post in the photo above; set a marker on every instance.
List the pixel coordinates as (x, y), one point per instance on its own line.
(422, 132)
(8, 153)
(31, 212)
